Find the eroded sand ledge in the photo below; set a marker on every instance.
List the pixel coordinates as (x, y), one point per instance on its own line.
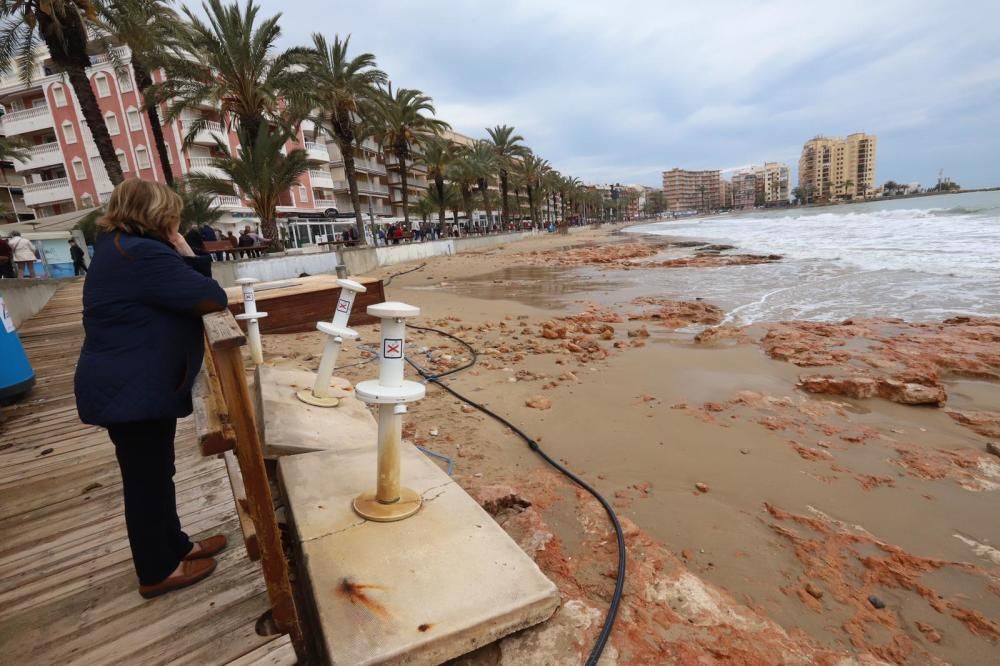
(761, 518)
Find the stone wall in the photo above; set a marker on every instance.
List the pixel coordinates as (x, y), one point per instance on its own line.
(25, 297)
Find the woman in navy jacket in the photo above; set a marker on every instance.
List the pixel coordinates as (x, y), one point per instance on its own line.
(142, 305)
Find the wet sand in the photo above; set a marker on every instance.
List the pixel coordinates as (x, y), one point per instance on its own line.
(794, 507)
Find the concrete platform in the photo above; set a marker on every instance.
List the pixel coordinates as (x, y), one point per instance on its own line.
(429, 588)
(289, 426)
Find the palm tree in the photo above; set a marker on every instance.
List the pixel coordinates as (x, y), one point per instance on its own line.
(532, 170)
(424, 207)
(199, 209)
(399, 125)
(261, 173)
(568, 189)
(848, 184)
(148, 28)
(507, 146)
(552, 181)
(62, 27)
(483, 163)
(229, 63)
(462, 173)
(343, 89)
(438, 154)
(14, 148)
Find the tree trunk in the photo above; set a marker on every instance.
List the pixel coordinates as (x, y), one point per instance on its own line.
(531, 206)
(269, 227)
(95, 121)
(344, 134)
(143, 80)
(467, 202)
(406, 190)
(486, 201)
(439, 186)
(505, 204)
(455, 211)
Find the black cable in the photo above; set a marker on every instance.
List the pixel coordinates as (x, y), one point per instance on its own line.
(396, 275)
(609, 620)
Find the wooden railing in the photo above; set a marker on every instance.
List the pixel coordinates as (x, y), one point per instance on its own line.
(226, 425)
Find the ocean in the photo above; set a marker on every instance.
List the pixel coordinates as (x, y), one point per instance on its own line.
(921, 259)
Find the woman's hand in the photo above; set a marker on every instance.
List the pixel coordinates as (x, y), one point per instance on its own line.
(181, 245)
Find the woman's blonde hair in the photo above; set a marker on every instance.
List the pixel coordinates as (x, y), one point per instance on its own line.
(143, 208)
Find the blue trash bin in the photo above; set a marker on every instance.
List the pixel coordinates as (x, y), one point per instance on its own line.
(16, 374)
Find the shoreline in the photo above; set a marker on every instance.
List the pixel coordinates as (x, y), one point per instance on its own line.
(646, 413)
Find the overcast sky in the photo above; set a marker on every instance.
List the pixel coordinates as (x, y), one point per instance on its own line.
(621, 90)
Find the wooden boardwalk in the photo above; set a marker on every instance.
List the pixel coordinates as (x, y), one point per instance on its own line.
(68, 593)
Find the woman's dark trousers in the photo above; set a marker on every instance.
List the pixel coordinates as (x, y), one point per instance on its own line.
(145, 452)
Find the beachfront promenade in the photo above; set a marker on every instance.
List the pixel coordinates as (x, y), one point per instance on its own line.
(67, 587)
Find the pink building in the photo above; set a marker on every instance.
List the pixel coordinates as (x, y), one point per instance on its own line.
(65, 173)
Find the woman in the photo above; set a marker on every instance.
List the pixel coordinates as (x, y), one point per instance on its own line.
(142, 305)
(24, 254)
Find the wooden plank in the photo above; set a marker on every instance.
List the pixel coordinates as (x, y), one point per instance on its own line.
(240, 497)
(222, 332)
(67, 586)
(211, 417)
(296, 309)
(232, 378)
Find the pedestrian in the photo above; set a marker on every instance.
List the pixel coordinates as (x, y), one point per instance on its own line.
(25, 254)
(6, 259)
(195, 241)
(143, 300)
(76, 252)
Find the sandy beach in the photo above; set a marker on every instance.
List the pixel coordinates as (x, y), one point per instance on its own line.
(792, 493)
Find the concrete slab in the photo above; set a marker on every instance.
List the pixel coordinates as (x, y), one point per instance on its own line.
(289, 426)
(429, 588)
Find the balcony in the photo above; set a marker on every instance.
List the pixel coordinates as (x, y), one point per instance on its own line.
(325, 203)
(321, 178)
(44, 155)
(227, 202)
(317, 151)
(47, 192)
(206, 166)
(120, 52)
(363, 165)
(29, 120)
(210, 133)
(363, 187)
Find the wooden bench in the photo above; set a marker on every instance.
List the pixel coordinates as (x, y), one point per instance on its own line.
(225, 247)
(226, 425)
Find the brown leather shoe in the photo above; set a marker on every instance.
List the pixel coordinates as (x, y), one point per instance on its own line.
(208, 547)
(192, 571)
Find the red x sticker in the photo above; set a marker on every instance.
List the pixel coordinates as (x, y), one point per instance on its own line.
(343, 306)
(392, 348)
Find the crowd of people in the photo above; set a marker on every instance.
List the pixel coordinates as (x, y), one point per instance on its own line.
(396, 233)
(249, 243)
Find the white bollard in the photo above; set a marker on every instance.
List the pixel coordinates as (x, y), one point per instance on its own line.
(336, 331)
(251, 316)
(391, 501)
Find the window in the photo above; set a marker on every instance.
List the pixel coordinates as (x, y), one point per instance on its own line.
(103, 89)
(122, 160)
(59, 94)
(124, 82)
(69, 133)
(78, 171)
(142, 157)
(134, 122)
(111, 120)
(38, 103)
(303, 195)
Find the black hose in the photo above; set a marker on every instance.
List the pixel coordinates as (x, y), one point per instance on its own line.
(609, 620)
(389, 280)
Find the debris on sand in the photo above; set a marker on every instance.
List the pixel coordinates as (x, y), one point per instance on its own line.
(677, 314)
(539, 402)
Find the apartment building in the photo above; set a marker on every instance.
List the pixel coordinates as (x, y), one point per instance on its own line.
(692, 190)
(772, 183)
(64, 172)
(725, 193)
(744, 189)
(838, 168)
(12, 206)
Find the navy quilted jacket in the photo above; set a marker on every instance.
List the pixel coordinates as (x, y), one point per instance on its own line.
(142, 307)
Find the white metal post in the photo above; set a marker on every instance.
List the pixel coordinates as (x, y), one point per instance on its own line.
(251, 317)
(391, 501)
(336, 330)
